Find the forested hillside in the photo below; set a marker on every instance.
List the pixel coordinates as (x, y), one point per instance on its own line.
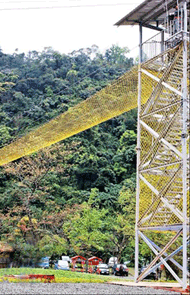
(78, 196)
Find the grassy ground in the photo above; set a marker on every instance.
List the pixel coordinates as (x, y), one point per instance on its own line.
(61, 276)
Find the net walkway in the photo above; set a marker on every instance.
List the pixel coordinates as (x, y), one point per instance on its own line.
(113, 100)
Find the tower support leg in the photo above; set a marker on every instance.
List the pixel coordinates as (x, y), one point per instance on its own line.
(138, 159)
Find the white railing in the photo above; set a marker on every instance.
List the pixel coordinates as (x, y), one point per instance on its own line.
(152, 47)
(173, 34)
(174, 22)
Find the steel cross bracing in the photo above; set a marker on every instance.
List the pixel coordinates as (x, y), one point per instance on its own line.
(163, 161)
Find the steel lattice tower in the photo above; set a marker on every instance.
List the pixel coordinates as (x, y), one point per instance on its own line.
(163, 173)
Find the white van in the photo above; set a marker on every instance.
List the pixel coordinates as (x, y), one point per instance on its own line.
(64, 265)
(66, 258)
(112, 261)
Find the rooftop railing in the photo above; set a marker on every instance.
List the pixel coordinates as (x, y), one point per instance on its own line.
(173, 33)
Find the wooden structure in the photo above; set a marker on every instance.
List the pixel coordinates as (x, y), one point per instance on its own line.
(94, 260)
(78, 263)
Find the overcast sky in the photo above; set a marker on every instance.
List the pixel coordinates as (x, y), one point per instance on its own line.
(77, 24)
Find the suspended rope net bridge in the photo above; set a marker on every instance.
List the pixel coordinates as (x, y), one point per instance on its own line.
(113, 100)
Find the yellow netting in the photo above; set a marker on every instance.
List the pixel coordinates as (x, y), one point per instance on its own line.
(161, 184)
(113, 100)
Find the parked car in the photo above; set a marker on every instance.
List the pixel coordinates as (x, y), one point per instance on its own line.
(102, 269)
(44, 262)
(153, 275)
(60, 264)
(120, 269)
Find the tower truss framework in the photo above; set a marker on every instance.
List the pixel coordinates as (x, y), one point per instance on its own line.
(163, 175)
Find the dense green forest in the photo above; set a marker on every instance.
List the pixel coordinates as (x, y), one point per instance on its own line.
(78, 196)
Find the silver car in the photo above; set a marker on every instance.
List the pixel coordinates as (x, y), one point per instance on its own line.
(102, 269)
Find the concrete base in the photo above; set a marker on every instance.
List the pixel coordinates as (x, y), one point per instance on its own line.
(147, 284)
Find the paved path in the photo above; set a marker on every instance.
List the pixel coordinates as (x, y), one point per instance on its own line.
(67, 288)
